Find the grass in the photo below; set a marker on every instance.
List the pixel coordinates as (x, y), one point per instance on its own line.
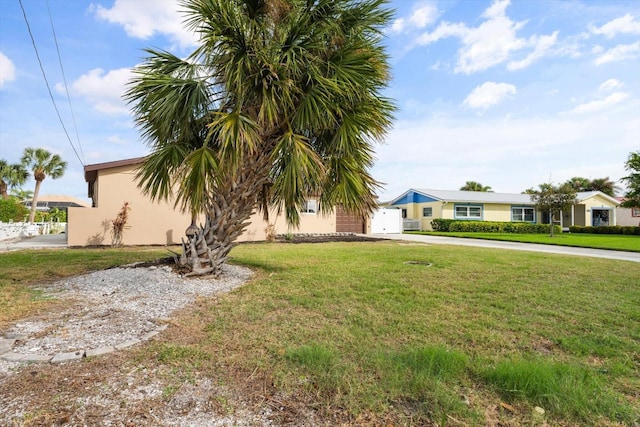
(352, 329)
(22, 271)
(617, 242)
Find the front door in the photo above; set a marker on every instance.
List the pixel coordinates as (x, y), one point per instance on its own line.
(599, 217)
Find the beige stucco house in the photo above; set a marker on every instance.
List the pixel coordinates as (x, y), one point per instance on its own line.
(112, 184)
(420, 207)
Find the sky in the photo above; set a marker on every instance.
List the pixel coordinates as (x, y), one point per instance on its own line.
(510, 94)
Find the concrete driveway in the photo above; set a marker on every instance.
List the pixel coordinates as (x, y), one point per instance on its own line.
(564, 250)
(38, 242)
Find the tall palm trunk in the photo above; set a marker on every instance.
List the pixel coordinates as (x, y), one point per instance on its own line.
(34, 202)
(3, 189)
(228, 215)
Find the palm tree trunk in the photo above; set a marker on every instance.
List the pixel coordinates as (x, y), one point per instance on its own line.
(229, 214)
(34, 202)
(3, 189)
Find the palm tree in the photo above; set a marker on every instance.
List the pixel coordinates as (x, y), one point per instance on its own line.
(579, 183)
(11, 175)
(604, 185)
(475, 186)
(43, 164)
(282, 100)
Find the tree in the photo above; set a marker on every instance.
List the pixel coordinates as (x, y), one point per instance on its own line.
(282, 100)
(11, 175)
(552, 199)
(22, 195)
(632, 196)
(43, 164)
(475, 186)
(604, 185)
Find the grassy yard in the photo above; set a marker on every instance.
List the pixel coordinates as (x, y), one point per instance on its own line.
(598, 241)
(400, 333)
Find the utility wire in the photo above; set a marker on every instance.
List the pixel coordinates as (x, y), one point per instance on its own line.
(47, 82)
(64, 79)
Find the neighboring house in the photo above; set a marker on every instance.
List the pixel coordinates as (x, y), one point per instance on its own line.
(112, 184)
(49, 201)
(627, 216)
(420, 207)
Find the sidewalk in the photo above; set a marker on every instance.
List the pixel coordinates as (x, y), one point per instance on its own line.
(532, 247)
(38, 242)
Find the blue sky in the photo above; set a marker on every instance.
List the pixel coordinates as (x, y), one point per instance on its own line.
(507, 93)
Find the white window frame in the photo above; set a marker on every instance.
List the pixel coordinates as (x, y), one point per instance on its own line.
(430, 212)
(310, 207)
(522, 210)
(468, 209)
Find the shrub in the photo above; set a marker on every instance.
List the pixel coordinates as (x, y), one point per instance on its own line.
(12, 210)
(610, 229)
(441, 224)
(500, 227)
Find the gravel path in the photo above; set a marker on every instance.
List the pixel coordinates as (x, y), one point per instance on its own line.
(112, 308)
(106, 308)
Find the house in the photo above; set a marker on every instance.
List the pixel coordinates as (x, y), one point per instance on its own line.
(627, 216)
(421, 206)
(111, 184)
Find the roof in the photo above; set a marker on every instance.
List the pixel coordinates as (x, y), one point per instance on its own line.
(91, 171)
(490, 197)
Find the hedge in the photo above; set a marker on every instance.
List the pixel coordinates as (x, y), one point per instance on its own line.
(606, 229)
(440, 224)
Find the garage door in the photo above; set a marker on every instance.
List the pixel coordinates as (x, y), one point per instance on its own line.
(347, 223)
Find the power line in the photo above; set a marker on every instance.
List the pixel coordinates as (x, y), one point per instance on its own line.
(55, 106)
(64, 79)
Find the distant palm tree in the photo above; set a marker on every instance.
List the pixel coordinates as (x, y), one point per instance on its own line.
(579, 183)
(475, 186)
(604, 185)
(43, 164)
(11, 175)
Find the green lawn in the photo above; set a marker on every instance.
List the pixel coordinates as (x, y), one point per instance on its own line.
(410, 334)
(598, 241)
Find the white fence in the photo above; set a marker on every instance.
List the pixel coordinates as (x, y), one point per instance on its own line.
(12, 230)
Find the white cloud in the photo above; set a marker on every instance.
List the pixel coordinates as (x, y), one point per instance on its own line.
(610, 85)
(419, 18)
(624, 25)
(509, 155)
(488, 94)
(619, 53)
(143, 19)
(493, 42)
(104, 90)
(601, 104)
(7, 70)
(541, 45)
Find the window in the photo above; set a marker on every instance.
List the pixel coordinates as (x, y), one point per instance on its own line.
(404, 213)
(427, 211)
(635, 211)
(468, 212)
(310, 206)
(523, 214)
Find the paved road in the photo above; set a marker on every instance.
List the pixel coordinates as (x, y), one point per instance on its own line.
(565, 250)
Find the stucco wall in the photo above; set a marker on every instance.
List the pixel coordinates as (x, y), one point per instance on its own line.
(158, 223)
(624, 217)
